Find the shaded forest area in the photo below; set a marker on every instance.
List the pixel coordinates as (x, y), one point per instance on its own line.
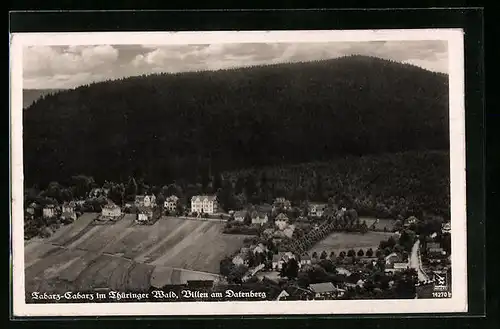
(189, 125)
(384, 186)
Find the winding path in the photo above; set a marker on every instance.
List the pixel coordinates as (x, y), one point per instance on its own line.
(416, 263)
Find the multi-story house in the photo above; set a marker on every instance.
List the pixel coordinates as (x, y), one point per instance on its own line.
(69, 207)
(68, 210)
(171, 203)
(207, 204)
(282, 203)
(317, 209)
(111, 210)
(259, 218)
(49, 211)
(144, 214)
(145, 201)
(281, 221)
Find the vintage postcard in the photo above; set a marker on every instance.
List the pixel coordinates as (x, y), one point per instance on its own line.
(238, 173)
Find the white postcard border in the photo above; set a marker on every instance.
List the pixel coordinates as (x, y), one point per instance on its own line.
(458, 302)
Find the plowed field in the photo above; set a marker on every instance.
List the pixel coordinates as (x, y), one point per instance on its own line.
(126, 256)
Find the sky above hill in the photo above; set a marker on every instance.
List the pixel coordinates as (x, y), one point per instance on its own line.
(62, 67)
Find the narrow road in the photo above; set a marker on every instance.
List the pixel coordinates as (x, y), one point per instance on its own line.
(415, 262)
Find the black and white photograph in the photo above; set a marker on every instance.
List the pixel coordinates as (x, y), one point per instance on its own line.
(313, 172)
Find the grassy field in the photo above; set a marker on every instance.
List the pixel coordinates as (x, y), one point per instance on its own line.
(340, 241)
(127, 256)
(387, 223)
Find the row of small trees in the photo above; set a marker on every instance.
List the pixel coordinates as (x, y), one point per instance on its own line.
(342, 254)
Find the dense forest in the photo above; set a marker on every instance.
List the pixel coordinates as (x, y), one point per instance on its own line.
(32, 95)
(180, 126)
(384, 186)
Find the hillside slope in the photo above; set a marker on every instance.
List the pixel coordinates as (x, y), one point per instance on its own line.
(125, 256)
(178, 125)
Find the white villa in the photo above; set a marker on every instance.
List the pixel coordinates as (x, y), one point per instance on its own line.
(49, 211)
(145, 200)
(207, 204)
(111, 210)
(171, 203)
(69, 207)
(144, 214)
(68, 210)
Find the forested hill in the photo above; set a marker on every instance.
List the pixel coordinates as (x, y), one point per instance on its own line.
(32, 95)
(178, 125)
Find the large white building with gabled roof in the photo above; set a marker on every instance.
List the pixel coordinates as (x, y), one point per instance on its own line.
(206, 204)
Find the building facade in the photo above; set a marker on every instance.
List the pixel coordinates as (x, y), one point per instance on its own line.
(145, 201)
(144, 214)
(171, 203)
(49, 211)
(317, 209)
(206, 204)
(111, 210)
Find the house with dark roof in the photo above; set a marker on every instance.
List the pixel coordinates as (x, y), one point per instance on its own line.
(69, 210)
(305, 260)
(326, 290)
(282, 203)
(434, 248)
(49, 211)
(280, 258)
(111, 210)
(281, 221)
(207, 204)
(410, 221)
(145, 200)
(98, 192)
(392, 258)
(144, 214)
(239, 216)
(317, 209)
(446, 228)
(69, 207)
(264, 208)
(259, 218)
(170, 203)
(295, 293)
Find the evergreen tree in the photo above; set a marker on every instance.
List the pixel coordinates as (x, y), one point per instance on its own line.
(131, 189)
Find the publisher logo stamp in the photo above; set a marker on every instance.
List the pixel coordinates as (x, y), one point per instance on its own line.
(440, 281)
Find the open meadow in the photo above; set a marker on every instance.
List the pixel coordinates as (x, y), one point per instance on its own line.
(127, 256)
(343, 241)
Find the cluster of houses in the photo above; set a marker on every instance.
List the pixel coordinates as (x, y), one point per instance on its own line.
(323, 290)
(66, 211)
